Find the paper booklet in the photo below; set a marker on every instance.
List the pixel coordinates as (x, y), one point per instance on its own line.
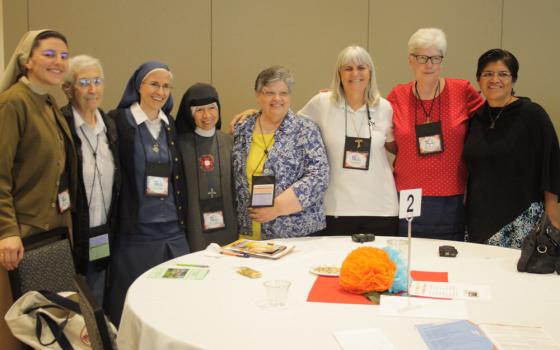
(263, 249)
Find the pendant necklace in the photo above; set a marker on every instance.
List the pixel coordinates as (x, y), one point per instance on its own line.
(494, 120)
(155, 147)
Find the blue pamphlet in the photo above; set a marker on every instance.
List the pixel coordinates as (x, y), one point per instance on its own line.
(456, 335)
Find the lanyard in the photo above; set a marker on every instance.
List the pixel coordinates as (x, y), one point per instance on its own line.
(266, 145)
(214, 138)
(428, 114)
(96, 171)
(370, 122)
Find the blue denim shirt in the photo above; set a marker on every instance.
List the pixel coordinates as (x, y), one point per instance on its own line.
(298, 159)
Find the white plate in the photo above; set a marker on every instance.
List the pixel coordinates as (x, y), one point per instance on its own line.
(325, 270)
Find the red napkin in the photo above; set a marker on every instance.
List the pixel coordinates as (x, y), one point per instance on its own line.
(326, 289)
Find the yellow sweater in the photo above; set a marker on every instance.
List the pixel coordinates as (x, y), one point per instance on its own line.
(255, 166)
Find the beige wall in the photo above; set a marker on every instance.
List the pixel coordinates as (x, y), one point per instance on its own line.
(227, 42)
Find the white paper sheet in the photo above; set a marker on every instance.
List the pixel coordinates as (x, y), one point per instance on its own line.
(507, 337)
(422, 307)
(363, 339)
(450, 290)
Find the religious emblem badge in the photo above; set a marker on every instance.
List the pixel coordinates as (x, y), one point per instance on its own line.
(155, 147)
(207, 162)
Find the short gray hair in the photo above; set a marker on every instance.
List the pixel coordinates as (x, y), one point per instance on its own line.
(274, 74)
(355, 55)
(79, 63)
(425, 38)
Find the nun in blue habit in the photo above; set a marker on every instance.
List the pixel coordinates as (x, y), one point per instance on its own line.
(152, 203)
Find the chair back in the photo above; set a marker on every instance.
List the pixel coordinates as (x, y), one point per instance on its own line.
(94, 317)
(47, 264)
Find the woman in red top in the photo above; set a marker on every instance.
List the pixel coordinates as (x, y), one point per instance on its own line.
(430, 122)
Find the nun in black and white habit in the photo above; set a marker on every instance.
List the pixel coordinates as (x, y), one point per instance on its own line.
(206, 153)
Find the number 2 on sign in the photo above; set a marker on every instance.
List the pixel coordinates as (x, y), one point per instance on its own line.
(410, 203)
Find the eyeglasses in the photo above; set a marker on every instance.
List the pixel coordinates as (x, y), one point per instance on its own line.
(84, 82)
(423, 59)
(49, 53)
(271, 94)
(155, 86)
(501, 74)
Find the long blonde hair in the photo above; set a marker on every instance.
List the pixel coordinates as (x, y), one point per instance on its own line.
(356, 55)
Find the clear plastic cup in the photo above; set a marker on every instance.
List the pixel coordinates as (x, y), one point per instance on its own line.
(277, 292)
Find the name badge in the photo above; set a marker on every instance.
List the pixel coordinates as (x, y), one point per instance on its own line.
(356, 153)
(63, 201)
(99, 243)
(262, 194)
(213, 220)
(157, 179)
(157, 186)
(429, 138)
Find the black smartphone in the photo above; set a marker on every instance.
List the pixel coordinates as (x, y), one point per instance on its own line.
(448, 251)
(363, 237)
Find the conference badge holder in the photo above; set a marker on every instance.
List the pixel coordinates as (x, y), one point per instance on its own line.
(99, 247)
(63, 197)
(212, 214)
(356, 153)
(157, 179)
(262, 192)
(429, 138)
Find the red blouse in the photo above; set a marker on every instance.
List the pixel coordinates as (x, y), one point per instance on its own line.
(440, 174)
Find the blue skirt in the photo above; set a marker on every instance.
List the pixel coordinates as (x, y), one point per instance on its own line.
(441, 218)
(135, 253)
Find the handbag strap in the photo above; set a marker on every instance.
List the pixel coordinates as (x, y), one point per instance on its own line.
(62, 301)
(57, 331)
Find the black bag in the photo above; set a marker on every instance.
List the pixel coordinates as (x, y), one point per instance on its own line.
(541, 249)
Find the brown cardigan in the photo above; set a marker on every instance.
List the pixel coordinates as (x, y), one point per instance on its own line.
(30, 160)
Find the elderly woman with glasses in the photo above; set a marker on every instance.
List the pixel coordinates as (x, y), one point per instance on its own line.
(37, 158)
(512, 156)
(95, 137)
(151, 216)
(430, 121)
(279, 165)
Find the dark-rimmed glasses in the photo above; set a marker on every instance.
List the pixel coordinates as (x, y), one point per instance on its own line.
(423, 59)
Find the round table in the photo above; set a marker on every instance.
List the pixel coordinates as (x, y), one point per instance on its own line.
(222, 311)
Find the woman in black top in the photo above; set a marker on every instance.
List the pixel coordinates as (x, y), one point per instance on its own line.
(512, 157)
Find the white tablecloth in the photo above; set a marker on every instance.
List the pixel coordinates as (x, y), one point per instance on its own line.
(222, 312)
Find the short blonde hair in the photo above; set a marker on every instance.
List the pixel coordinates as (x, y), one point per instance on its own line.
(355, 55)
(425, 38)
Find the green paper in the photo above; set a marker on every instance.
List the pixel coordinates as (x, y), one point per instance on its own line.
(373, 297)
(167, 272)
(99, 252)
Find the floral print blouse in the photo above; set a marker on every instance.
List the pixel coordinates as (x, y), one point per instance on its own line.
(297, 159)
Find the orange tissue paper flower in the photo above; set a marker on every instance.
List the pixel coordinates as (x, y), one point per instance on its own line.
(367, 269)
